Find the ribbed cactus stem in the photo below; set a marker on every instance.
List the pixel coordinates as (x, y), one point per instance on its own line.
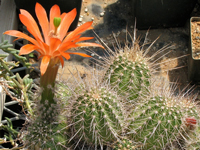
(98, 116)
(159, 121)
(44, 136)
(47, 83)
(129, 77)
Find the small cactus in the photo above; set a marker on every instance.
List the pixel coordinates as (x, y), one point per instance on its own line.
(98, 116)
(159, 121)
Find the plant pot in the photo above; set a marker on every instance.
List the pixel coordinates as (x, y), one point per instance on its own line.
(65, 6)
(162, 13)
(194, 51)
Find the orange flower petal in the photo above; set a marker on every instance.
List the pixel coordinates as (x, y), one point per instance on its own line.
(77, 31)
(66, 55)
(81, 54)
(28, 15)
(63, 15)
(21, 35)
(54, 12)
(83, 39)
(61, 60)
(26, 49)
(66, 22)
(89, 44)
(44, 64)
(31, 26)
(66, 46)
(43, 21)
(54, 44)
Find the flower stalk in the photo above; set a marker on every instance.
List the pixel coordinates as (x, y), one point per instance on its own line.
(47, 81)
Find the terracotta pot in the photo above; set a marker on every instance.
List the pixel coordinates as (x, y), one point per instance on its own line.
(65, 6)
(194, 52)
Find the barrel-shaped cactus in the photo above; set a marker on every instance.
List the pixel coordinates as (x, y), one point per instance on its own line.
(98, 116)
(160, 121)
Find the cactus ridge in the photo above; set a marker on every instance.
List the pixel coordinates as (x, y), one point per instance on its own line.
(160, 121)
(98, 116)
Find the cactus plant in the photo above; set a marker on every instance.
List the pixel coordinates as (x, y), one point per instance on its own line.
(97, 116)
(130, 76)
(160, 120)
(129, 73)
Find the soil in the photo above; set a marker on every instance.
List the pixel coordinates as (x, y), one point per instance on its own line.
(195, 35)
(114, 18)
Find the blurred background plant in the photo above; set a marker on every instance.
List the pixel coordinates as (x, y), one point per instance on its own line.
(17, 88)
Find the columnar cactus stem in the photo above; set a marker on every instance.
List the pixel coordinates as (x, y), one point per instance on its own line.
(130, 77)
(98, 116)
(45, 136)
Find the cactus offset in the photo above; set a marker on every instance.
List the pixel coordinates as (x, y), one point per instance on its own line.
(160, 120)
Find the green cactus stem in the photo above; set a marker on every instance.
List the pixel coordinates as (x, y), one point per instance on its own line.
(47, 136)
(160, 120)
(98, 116)
(130, 77)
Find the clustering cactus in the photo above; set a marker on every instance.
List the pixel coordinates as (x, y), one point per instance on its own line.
(160, 120)
(98, 116)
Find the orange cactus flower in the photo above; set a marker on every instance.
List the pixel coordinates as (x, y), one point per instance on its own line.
(55, 39)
